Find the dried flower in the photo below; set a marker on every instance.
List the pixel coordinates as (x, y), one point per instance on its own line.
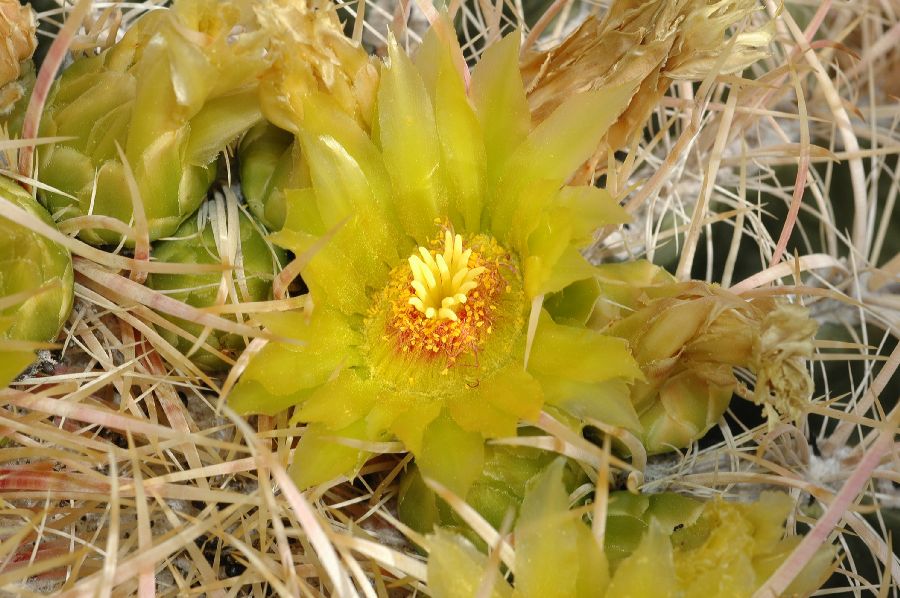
(427, 246)
(688, 338)
(17, 30)
(654, 42)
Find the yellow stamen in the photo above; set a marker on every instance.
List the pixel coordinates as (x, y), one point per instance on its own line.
(441, 280)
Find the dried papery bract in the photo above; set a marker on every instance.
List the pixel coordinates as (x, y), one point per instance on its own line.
(689, 337)
(173, 92)
(17, 32)
(655, 42)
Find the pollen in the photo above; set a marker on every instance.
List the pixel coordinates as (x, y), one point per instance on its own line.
(442, 279)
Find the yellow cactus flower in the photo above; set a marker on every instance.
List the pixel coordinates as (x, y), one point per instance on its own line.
(657, 545)
(428, 241)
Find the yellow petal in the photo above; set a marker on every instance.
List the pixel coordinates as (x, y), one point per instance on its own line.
(579, 354)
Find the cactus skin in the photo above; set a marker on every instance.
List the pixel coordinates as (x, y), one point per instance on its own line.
(30, 263)
(171, 94)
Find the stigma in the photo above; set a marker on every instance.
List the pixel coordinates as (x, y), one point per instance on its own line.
(442, 280)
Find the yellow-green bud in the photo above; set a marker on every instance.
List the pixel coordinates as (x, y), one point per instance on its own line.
(172, 93)
(39, 271)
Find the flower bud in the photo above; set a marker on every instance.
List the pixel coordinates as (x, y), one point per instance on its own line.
(172, 93)
(37, 270)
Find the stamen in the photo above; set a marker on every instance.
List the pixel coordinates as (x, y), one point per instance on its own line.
(442, 279)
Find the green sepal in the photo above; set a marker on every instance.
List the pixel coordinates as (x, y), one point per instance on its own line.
(579, 354)
(574, 304)
(649, 572)
(318, 458)
(456, 568)
(450, 455)
(547, 569)
(608, 401)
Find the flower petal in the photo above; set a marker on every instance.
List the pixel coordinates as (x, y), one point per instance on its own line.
(249, 396)
(410, 145)
(340, 402)
(407, 423)
(579, 354)
(554, 273)
(451, 455)
(330, 344)
(552, 152)
(318, 458)
(462, 147)
(499, 97)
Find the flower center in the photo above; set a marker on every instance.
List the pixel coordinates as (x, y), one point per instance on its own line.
(451, 312)
(441, 281)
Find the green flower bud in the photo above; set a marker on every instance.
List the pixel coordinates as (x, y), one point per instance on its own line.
(713, 548)
(179, 86)
(37, 270)
(654, 545)
(270, 163)
(219, 234)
